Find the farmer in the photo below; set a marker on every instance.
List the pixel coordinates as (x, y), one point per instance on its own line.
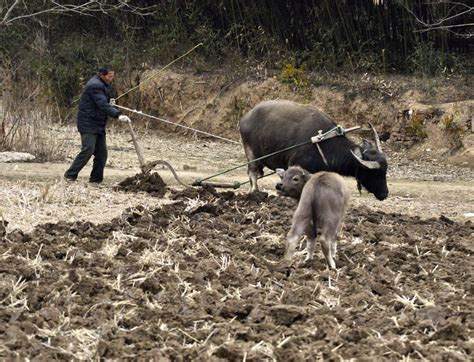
(94, 108)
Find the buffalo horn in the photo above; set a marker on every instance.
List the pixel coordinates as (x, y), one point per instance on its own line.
(368, 164)
(377, 139)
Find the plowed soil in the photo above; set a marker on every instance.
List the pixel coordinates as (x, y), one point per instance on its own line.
(202, 278)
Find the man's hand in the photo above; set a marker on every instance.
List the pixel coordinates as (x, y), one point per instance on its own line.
(124, 118)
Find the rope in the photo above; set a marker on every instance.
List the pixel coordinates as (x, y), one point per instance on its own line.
(258, 178)
(235, 184)
(161, 70)
(254, 160)
(113, 102)
(175, 124)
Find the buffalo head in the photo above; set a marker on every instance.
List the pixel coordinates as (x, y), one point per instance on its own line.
(372, 167)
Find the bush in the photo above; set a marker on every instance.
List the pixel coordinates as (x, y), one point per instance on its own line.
(297, 78)
(451, 125)
(416, 128)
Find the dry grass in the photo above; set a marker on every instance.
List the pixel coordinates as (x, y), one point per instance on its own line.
(27, 128)
(15, 298)
(26, 204)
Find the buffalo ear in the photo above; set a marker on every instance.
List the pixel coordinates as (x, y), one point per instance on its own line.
(366, 144)
(280, 172)
(372, 165)
(357, 152)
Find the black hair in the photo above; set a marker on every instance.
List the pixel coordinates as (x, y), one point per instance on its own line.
(105, 69)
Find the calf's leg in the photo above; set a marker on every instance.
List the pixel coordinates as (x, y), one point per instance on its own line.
(329, 241)
(291, 243)
(326, 246)
(302, 226)
(334, 248)
(310, 244)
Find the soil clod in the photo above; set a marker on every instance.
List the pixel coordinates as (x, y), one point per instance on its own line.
(151, 183)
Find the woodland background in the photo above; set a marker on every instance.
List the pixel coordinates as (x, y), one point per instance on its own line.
(49, 50)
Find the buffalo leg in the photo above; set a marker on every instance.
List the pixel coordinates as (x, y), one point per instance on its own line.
(253, 180)
(254, 169)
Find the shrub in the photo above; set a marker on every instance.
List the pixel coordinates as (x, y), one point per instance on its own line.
(450, 125)
(416, 128)
(297, 78)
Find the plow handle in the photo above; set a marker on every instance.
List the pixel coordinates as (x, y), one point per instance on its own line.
(141, 160)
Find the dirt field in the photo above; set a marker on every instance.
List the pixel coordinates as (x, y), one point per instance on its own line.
(92, 272)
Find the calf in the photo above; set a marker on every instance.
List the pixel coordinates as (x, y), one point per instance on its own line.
(323, 199)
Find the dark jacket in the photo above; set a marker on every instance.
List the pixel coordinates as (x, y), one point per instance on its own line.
(94, 107)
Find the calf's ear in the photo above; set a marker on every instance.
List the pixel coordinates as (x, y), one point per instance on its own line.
(280, 172)
(306, 176)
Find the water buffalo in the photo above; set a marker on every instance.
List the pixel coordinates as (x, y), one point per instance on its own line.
(275, 125)
(323, 199)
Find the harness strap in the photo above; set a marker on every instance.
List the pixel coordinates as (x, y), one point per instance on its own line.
(333, 132)
(322, 154)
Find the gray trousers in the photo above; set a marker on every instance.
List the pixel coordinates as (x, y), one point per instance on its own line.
(92, 144)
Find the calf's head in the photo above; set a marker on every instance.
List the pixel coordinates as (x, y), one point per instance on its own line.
(292, 181)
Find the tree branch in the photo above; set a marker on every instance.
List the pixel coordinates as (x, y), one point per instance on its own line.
(7, 14)
(448, 27)
(453, 13)
(87, 8)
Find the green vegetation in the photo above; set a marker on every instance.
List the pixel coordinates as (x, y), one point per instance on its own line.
(416, 127)
(297, 78)
(451, 126)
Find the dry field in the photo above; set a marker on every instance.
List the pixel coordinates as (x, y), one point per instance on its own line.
(196, 273)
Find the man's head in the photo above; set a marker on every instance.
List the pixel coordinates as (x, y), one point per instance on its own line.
(106, 73)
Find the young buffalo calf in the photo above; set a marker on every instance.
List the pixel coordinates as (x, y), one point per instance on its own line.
(323, 199)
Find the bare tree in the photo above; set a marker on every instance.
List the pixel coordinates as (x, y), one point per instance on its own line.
(451, 21)
(15, 10)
